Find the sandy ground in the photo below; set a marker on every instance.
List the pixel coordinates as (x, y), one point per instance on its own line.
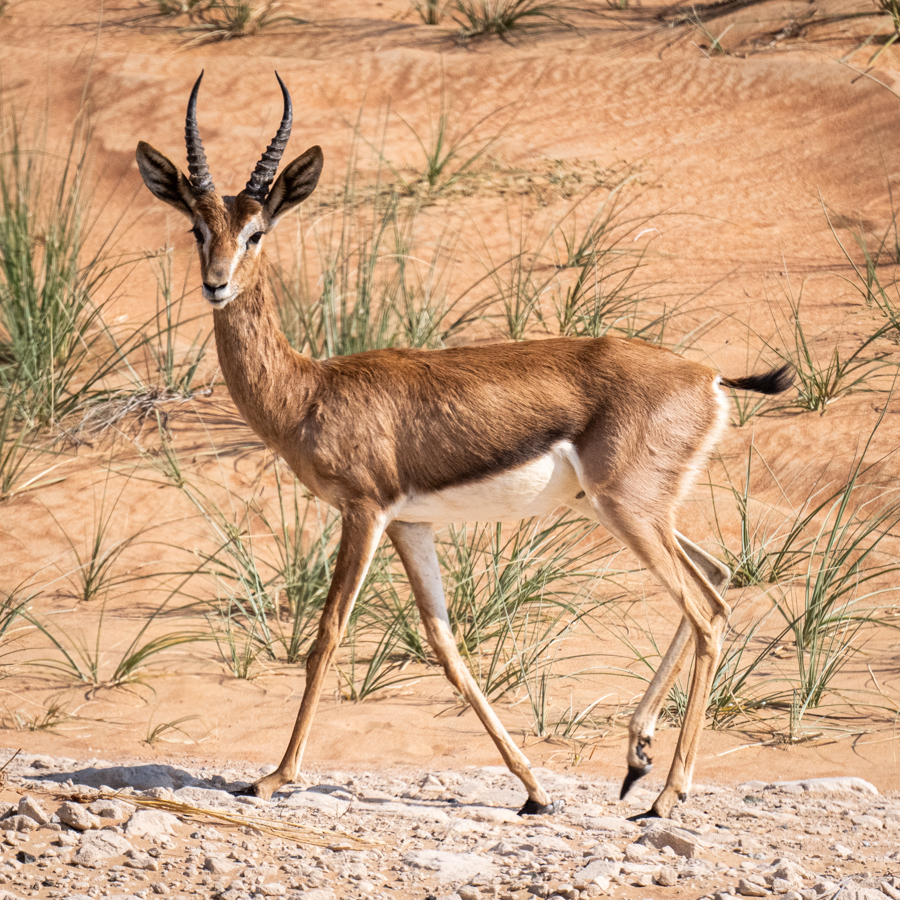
(746, 166)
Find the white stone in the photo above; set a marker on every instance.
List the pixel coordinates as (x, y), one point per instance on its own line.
(683, 842)
(151, 823)
(667, 876)
(448, 866)
(273, 889)
(107, 842)
(839, 786)
(218, 865)
(405, 811)
(323, 803)
(597, 869)
(142, 862)
(31, 808)
(76, 816)
(853, 890)
(20, 823)
(90, 856)
(110, 809)
(488, 814)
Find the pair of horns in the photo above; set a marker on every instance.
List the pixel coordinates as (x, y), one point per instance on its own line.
(261, 179)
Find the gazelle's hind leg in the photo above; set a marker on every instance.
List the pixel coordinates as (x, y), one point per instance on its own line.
(645, 529)
(643, 723)
(415, 546)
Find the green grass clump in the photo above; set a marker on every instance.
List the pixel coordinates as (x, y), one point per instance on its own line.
(50, 323)
(478, 18)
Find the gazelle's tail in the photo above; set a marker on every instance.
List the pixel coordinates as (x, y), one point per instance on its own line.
(774, 381)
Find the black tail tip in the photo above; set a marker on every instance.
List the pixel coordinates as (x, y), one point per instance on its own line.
(775, 381)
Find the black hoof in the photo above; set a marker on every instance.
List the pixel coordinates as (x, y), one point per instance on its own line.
(650, 814)
(634, 773)
(535, 809)
(248, 791)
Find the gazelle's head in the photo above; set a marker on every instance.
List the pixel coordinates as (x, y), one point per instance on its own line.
(230, 230)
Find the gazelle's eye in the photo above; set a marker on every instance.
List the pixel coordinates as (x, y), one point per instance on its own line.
(255, 238)
(197, 233)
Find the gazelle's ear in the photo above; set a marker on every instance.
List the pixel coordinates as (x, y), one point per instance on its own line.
(295, 183)
(164, 180)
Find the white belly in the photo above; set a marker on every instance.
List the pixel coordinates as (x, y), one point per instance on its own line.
(534, 489)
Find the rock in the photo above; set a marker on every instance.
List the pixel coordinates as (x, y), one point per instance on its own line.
(723, 895)
(110, 809)
(90, 856)
(824, 886)
(667, 876)
(107, 842)
(488, 814)
(207, 797)
(635, 852)
(597, 869)
(274, 889)
(749, 889)
(448, 866)
(141, 778)
(142, 862)
(218, 865)
(31, 808)
(780, 885)
(76, 816)
(544, 843)
(538, 889)
(853, 890)
(322, 802)
(317, 894)
(784, 870)
(406, 811)
(158, 793)
(150, 823)
(606, 850)
(620, 826)
(662, 834)
(469, 892)
(20, 823)
(842, 786)
(793, 895)
(861, 821)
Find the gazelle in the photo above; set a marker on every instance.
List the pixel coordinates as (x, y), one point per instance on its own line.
(401, 441)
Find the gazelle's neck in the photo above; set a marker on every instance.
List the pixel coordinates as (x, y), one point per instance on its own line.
(269, 381)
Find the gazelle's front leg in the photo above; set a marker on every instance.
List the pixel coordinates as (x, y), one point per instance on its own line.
(361, 530)
(415, 545)
(642, 726)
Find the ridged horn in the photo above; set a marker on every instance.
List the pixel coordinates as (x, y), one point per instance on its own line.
(200, 179)
(261, 179)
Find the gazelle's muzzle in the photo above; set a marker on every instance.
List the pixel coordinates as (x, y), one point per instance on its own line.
(218, 294)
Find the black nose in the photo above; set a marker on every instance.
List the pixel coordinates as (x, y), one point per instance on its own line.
(212, 288)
